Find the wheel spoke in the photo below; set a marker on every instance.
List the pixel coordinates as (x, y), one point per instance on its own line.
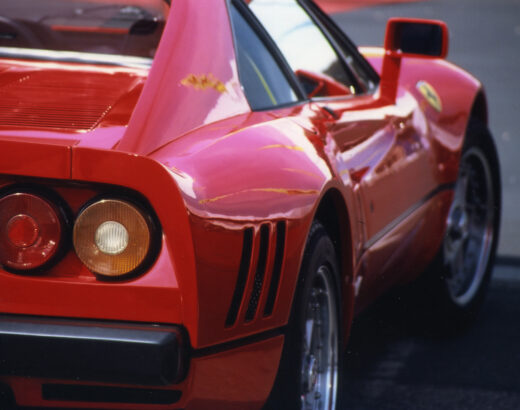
(476, 233)
(462, 188)
(309, 330)
(457, 263)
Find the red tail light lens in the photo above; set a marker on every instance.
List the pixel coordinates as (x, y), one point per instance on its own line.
(31, 231)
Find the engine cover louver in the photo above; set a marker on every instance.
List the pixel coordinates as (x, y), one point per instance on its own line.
(59, 100)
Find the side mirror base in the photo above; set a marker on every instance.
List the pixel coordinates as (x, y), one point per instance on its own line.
(418, 38)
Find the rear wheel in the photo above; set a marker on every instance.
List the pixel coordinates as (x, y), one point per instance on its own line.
(319, 362)
(309, 372)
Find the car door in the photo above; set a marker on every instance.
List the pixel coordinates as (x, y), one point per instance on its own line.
(381, 149)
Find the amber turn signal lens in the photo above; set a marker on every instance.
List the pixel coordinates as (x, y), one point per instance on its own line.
(112, 237)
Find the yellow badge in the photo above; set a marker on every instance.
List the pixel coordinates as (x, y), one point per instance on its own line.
(430, 94)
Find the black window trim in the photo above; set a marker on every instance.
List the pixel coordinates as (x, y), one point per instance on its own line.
(336, 37)
(272, 48)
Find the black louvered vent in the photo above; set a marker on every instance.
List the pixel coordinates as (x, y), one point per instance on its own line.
(245, 262)
(259, 274)
(277, 268)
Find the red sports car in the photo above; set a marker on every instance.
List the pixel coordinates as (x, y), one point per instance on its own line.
(198, 197)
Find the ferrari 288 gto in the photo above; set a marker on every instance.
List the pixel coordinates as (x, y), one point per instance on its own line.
(198, 197)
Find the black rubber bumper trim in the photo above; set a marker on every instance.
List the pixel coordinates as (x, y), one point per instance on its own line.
(108, 394)
(238, 343)
(92, 350)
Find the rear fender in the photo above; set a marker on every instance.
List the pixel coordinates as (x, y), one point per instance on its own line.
(238, 205)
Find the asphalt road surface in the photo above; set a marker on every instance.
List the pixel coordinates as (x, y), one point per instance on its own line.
(394, 365)
(485, 40)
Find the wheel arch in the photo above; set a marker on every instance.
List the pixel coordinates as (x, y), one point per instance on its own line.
(479, 110)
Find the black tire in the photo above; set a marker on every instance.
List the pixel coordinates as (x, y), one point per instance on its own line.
(304, 372)
(459, 277)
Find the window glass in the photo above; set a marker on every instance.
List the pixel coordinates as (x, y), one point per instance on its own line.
(109, 27)
(264, 82)
(302, 42)
(364, 77)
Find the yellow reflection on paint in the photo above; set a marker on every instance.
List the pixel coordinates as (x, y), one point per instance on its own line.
(282, 191)
(204, 82)
(293, 147)
(303, 172)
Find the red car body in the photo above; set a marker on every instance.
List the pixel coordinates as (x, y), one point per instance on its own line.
(220, 178)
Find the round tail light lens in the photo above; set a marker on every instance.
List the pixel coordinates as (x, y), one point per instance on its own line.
(31, 231)
(112, 237)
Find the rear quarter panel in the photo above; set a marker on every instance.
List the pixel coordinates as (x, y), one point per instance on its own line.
(254, 171)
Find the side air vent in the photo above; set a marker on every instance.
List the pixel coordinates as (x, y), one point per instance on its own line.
(266, 267)
(245, 262)
(260, 273)
(277, 268)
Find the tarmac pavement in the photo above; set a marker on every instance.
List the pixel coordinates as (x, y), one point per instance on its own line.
(392, 365)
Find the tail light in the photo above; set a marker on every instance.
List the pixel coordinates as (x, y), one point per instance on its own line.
(113, 237)
(32, 231)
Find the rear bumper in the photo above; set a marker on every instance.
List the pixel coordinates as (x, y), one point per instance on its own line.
(94, 351)
(47, 362)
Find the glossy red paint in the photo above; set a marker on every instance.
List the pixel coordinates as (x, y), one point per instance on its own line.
(449, 125)
(182, 138)
(182, 67)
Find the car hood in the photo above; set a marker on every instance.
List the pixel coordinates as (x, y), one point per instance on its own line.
(67, 104)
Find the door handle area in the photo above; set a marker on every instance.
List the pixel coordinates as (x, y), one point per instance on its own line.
(333, 114)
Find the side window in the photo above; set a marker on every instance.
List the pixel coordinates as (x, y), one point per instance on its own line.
(364, 77)
(308, 52)
(264, 82)
(361, 69)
